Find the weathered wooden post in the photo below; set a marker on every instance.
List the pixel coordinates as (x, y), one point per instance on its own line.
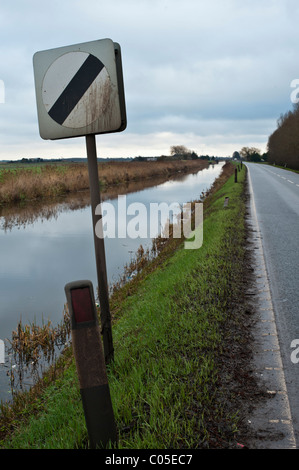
(90, 363)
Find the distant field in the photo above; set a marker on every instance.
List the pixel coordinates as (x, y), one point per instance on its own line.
(26, 165)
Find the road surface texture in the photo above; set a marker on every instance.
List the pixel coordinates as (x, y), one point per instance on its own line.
(274, 208)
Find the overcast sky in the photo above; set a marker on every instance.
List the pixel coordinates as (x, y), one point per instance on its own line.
(211, 75)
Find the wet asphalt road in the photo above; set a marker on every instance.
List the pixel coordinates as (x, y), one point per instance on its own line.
(276, 199)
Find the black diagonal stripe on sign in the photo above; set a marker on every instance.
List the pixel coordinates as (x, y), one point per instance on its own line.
(76, 88)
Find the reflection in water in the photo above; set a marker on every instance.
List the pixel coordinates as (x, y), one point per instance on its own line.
(23, 214)
(45, 246)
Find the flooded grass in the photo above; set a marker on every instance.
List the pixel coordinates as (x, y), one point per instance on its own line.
(34, 348)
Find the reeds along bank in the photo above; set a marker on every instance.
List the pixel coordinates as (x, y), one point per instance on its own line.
(45, 180)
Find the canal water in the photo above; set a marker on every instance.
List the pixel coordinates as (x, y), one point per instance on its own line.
(43, 248)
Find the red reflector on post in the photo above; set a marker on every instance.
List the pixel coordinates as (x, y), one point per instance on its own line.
(82, 305)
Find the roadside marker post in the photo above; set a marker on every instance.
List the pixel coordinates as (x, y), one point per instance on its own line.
(90, 363)
(80, 92)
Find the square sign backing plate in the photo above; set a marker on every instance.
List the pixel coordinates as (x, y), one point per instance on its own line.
(79, 90)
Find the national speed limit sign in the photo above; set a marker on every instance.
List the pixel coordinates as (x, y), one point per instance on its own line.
(79, 90)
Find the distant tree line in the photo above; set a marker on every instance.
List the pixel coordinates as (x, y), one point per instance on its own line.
(35, 160)
(180, 152)
(283, 143)
(251, 154)
(27, 160)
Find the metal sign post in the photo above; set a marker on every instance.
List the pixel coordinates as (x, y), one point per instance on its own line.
(90, 363)
(80, 92)
(95, 197)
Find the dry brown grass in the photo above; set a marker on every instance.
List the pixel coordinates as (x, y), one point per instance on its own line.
(33, 345)
(52, 180)
(118, 172)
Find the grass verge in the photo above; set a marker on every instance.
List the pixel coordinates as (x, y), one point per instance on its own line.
(179, 336)
(282, 167)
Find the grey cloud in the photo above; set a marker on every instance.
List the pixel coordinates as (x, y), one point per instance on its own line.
(190, 68)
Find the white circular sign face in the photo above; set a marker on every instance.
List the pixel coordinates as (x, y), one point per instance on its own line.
(76, 89)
